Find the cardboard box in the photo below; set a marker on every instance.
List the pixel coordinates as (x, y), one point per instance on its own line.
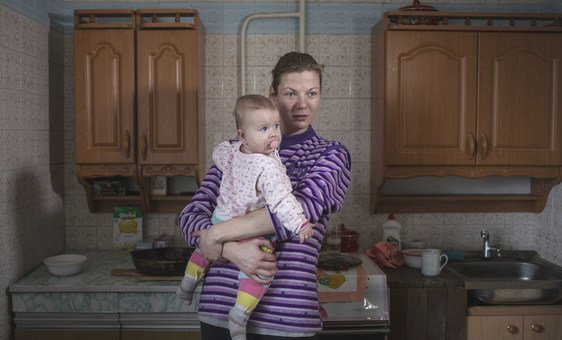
(127, 226)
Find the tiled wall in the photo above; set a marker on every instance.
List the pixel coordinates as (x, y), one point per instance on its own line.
(31, 149)
(37, 135)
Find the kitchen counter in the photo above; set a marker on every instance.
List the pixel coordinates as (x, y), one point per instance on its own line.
(408, 277)
(94, 299)
(95, 290)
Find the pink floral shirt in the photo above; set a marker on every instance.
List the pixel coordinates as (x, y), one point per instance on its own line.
(252, 181)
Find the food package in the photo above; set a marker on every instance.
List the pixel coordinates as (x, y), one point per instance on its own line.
(127, 226)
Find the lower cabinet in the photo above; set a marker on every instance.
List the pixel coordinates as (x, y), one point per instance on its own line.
(106, 335)
(435, 313)
(514, 323)
(160, 334)
(66, 335)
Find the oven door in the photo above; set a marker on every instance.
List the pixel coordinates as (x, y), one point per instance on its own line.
(361, 330)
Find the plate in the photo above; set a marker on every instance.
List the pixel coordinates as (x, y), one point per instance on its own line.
(338, 261)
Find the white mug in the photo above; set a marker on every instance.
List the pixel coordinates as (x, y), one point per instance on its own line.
(431, 262)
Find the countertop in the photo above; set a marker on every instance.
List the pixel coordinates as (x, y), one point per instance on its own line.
(95, 290)
(408, 277)
(94, 277)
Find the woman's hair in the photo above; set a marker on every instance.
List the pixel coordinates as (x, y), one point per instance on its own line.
(294, 62)
(249, 103)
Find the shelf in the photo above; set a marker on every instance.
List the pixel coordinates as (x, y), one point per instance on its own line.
(173, 25)
(169, 204)
(116, 198)
(171, 197)
(459, 203)
(535, 201)
(107, 203)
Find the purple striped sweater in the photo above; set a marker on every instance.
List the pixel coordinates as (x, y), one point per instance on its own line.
(320, 175)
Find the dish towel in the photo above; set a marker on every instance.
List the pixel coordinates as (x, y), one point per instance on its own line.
(385, 254)
(336, 286)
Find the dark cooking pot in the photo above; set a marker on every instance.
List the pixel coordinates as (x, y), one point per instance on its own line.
(161, 261)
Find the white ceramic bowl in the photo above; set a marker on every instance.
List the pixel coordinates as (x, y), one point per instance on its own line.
(65, 265)
(412, 257)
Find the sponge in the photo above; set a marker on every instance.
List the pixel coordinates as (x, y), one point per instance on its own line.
(454, 255)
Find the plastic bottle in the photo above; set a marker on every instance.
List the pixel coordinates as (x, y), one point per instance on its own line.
(391, 231)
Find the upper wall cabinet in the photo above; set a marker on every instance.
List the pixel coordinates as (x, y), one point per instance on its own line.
(139, 111)
(470, 95)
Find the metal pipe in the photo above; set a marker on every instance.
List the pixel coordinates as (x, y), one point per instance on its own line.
(299, 14)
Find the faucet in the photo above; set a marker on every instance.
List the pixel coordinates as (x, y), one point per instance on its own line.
(487, 248)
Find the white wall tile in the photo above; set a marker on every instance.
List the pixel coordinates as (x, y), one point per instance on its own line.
(361, 82)
(334, 114)
(336, 82)
(214, 114)
(214, 50)
(10, 29)
(214, 82)
(231, 50)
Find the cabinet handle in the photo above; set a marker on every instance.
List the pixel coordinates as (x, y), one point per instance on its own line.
(537, 328)
(483, 146)
(143, 145)
(127, 144)
(471, 146)
(512, 329)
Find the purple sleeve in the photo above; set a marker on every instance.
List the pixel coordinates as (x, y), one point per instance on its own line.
(197, 214)
(322, 189)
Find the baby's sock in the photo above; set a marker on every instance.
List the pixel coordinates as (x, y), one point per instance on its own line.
(186, 289)
(237, 320)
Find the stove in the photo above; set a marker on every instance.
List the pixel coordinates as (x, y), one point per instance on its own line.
(367, 315)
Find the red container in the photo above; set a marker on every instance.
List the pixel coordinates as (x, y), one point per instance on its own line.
(349, 241)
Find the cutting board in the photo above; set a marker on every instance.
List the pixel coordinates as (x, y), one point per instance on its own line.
(141, 277)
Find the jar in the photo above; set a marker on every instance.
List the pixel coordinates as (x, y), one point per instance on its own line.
(349, 241)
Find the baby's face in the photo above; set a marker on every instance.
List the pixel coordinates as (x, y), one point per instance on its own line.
(260, 129)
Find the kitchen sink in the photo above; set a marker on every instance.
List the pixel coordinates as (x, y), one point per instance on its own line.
(508, 282)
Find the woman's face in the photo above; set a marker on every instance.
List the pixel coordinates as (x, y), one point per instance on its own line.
(297, 99)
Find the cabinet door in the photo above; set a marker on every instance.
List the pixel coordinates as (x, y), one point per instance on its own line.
(66, 335)
(495, 327)
(430, 113)
(520, 116)
(543, 327)
(160, 334)
(104, 95)
(167, 96)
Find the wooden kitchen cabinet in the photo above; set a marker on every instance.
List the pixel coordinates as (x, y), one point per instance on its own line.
(107, 335)
(466, 100)
(521, 323)
(66, 335)
(138, 102)
(434, 117)
(160, 334)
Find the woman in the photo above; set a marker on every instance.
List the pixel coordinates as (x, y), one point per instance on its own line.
(320, 174)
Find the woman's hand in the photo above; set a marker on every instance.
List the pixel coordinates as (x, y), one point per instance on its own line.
(251, 260)
(210, 248)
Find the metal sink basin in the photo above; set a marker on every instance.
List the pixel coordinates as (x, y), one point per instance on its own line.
(510, 281)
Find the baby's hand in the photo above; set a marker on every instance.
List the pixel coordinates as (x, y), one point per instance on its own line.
(306, 232)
